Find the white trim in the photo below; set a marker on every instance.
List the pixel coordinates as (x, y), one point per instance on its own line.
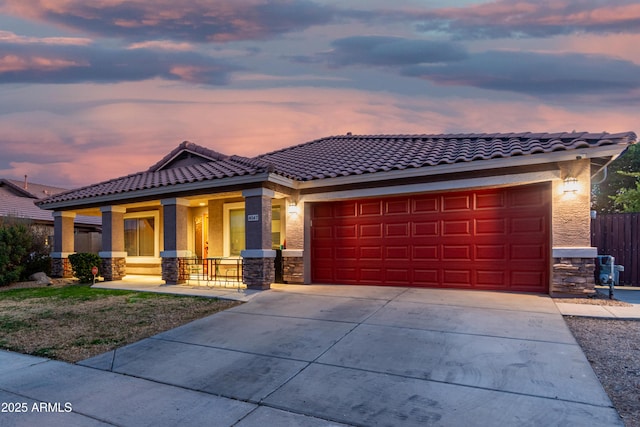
(226, 238)
(156, 237)
(460, 184)
(258, 253)
(60, 255)
(176, 254)
(468, 167)
(292, 253)
(577, 252)
(111, 254)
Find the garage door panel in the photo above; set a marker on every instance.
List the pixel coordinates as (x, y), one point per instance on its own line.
(527, 252)
(346, 210)
(371, 253)
(426, 277)
(490, 201)
(347, 252)
(398, 275)
(401, 253)
(396, 207)
(491, 226)
(489, 278)
(370, 208)
(527, 225)
(370, 230)
(491, 252)
(459, 278)
(488, 239)
(342, 231)
(456, 253)
(456, 203)
(426, 204)
(397, 230)
(426, 228)
(426, 253)
(456, 227)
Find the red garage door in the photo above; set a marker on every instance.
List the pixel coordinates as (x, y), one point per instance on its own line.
(490, 239)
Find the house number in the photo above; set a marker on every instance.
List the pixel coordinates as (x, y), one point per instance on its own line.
(253, 218)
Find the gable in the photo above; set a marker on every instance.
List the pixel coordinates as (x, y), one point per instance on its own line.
(187, 154)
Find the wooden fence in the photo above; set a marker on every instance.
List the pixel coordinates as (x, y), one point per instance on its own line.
(619, 235)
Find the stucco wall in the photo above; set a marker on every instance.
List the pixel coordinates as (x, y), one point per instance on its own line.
(571, 211)
(216, 228)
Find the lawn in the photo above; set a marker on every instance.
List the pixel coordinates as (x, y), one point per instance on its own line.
(72, 322)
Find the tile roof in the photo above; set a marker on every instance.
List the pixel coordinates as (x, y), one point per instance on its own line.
(15, 201)
(342, 156)
(360, 154)
(224, 167)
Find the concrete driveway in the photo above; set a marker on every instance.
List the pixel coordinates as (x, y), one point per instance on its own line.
(332, 355)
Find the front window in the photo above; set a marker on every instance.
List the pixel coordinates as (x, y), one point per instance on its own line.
(236, 232)
(234, 227)
(140, 236)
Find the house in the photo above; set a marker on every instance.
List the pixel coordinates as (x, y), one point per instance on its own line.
(503, 211)
(17, 201)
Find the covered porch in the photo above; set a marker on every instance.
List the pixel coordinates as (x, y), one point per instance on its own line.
(230, 238)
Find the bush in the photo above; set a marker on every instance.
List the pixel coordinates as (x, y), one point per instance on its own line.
(15, 243)
(81, 264)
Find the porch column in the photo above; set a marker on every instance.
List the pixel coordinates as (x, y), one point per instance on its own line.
(114, 261)
(174, 269)
(572, 257)
(258, 268)
(63, 244)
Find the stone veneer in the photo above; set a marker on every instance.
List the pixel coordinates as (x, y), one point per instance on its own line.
(258, 273)
(113, 268)
(175, 271)
(61, 268)
(292, 266)
(573, 277)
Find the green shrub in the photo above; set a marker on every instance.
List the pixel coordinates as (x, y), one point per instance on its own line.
(81, 264)
(15, 243)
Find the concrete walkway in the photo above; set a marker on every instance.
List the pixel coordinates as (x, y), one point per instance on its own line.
(626, 294)
(330, 355)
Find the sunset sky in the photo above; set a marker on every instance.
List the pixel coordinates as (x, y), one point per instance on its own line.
(93, 90)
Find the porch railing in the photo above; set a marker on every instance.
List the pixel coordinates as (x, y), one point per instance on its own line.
(217, 270)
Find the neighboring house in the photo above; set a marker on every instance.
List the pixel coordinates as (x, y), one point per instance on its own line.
(506, 211)
(17, 201)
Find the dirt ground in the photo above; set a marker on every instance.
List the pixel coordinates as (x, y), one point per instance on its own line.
(72, 330)
(613, 349)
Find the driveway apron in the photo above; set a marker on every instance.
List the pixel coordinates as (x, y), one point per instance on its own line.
(335, 355)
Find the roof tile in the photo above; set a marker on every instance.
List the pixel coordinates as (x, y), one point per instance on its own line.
(343, 156)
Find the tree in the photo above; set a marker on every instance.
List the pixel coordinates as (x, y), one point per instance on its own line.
(628, 199)
(15, 242)
(621, 177)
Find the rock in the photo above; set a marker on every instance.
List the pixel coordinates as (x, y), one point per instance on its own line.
(41, 279)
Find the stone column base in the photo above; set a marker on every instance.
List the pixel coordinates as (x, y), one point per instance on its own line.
(174, 271)
(61, 268)
(113, 268)
(258, 273)
(293, 266)
(573, 277)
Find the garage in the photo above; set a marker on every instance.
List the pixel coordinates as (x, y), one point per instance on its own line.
(490, 239)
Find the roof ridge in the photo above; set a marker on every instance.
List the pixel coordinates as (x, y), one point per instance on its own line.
(188, 146)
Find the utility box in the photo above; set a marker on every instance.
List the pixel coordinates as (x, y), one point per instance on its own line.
(608, 272)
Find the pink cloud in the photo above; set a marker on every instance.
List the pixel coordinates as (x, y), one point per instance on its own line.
(12, 63)
(109, 134)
